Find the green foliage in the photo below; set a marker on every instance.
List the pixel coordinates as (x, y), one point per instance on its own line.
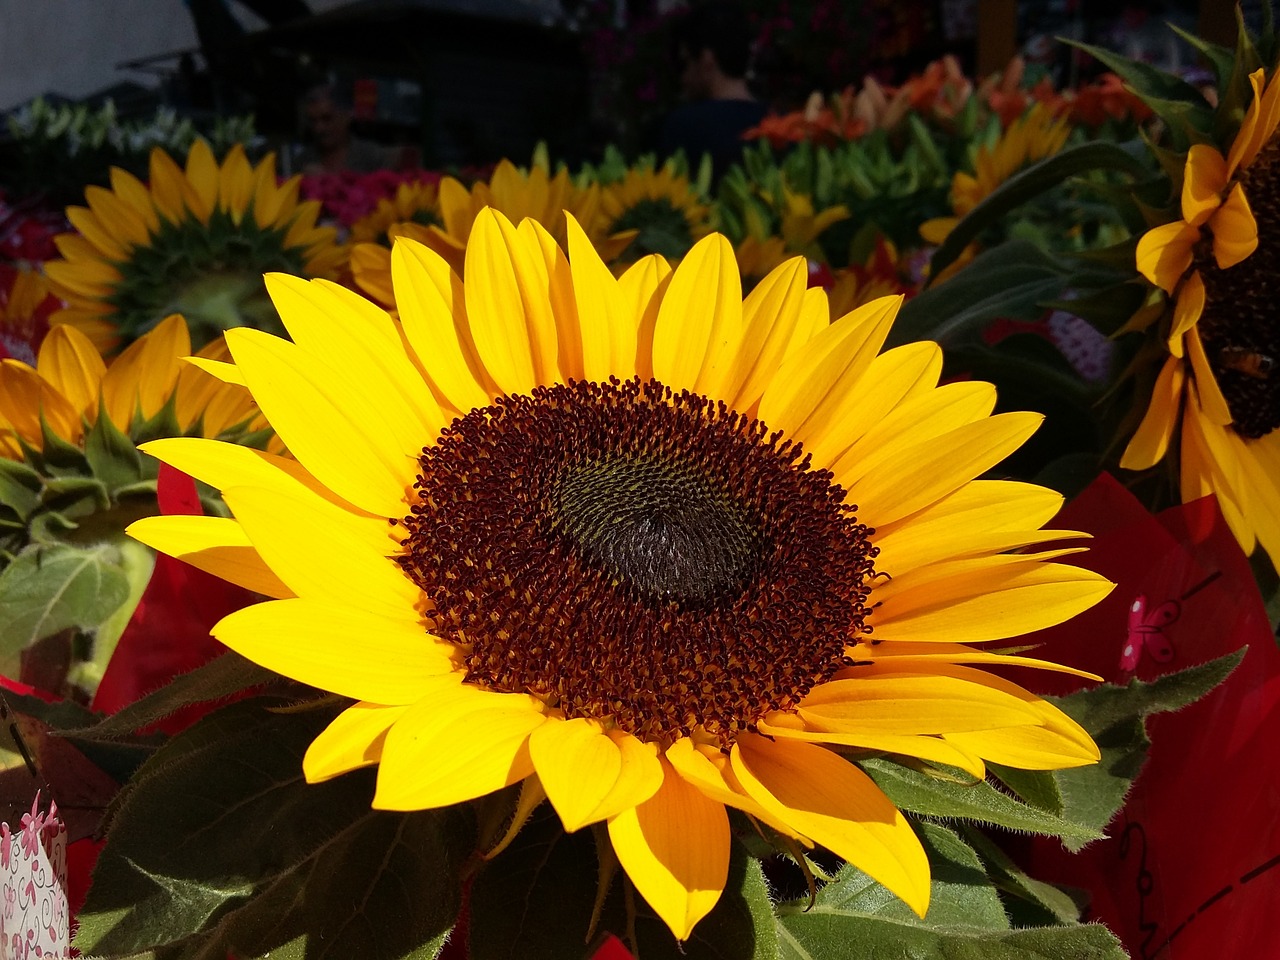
(220, 847)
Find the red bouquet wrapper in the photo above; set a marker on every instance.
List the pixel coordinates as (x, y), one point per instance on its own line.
(1191, 866)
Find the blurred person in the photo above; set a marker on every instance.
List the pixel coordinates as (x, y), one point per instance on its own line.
(332, 147)
(713, 48)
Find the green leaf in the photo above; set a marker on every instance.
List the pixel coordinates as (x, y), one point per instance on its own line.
(1114, 717)
(1031, 902)
(1153, 86)
(855, 918)
(220, 847)
(112, 456)
(1108, 309)
(1012, 280)
(978, 801)
(1036, 787)
(222, 677)
(534, 901)
(51, 588)
(1030, 183)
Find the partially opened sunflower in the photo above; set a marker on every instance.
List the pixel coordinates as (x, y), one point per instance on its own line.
(1218, 391)
(651, 548)
(194, 241)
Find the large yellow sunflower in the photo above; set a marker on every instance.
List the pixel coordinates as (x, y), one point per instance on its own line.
(70, 387)
(194, 242)
(661, 208)
(1218, 265)
(446, 226)
(654, 549)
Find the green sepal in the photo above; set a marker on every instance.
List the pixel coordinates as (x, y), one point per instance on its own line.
(1115, 717)
(113, 457)
(962, 797)
(219, 847)
(1223, 59)
(58, 457)
(20, 488)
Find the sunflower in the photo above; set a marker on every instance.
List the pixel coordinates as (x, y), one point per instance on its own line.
(661, 208)
(193, 242)
(880, 276)
(517, 194)
(599, 535)
(70, 387)
(415, 201)
(1219, 381)
(1034, 136)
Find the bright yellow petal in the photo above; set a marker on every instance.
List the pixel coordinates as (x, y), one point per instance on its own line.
(973, 601)
(769, 317)
(829, 799)
(1212, 402)
(699, 324)
(69, 361)
(1165, 252)
(933, 749)
(578, 765)
(455, 744)
(1151, 441)
(606, 323)
(216, 545)
(643, 287)
(1259, 123)
(1235, 231)
(907, 705)
(710, 771)
(429, 297)
(917, 476)
(1187, 309)
(336, 647)
(811, 390)
(638, 780)
(1204, 179)
(354, 739)
(321, 551)
(339, 437)
(508, 306)
(675, 849)
(923, 656)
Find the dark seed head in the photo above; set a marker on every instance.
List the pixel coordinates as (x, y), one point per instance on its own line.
(637, 554)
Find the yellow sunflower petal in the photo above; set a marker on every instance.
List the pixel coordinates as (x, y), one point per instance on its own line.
(141, 380)
(675, 849)
(578, 764)
(638, 780)
(933, 749)
(830, 800)
(1259, 123)
(1212, 402)
(354, 739)
(24, 397)
(455, 744)
(132, 192)
(171, 192)
(699, 323)
(341, 438)
(918, 476)
(921, 656)
(908, 704)
(606, 325)
(312, 641)
(1165, 252)
(1260, 469)
(981, 601)
(84, 220)
(1204, 179)
(769, 317)
(1187, 310)
(430, 300)
(117, 216)
(216, 545)
(1235, 231)
(508, 307)
(1202, 474)
(69, 360)
(643, 286)
(808, 393)
(321, 551)
(710, 771)
(1151, 441)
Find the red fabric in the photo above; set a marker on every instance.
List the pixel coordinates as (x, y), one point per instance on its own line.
(612, 949)
(1191, 868)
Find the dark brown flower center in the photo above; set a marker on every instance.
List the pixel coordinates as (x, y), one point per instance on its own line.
(1240, 326)
(632, 553)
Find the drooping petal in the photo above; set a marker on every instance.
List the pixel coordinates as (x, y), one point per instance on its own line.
(1151, 441)
(1187, 310)
(1165, 252)
(455, 744)
(1204, 179)
(353, 740)
(675, 849)
(1235, 231)
(829, 799)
